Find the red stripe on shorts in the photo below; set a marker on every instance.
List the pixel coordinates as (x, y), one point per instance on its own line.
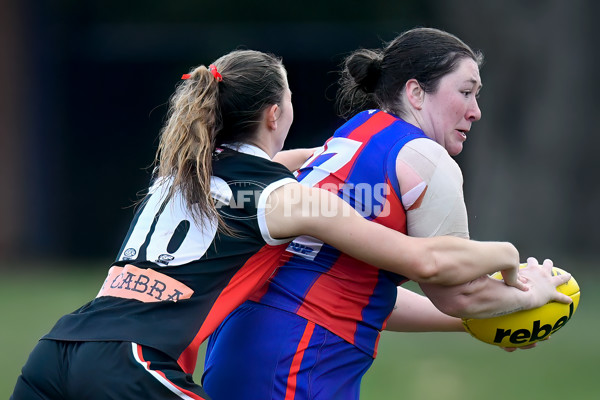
(290, 391)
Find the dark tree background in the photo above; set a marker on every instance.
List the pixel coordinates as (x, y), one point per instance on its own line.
(84, 86)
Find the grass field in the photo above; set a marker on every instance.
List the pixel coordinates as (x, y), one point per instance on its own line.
(432, 366)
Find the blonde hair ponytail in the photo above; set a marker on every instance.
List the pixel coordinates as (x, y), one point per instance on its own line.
(187, 142)
(211, 108)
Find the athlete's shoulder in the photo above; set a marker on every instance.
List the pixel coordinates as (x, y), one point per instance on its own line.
(359, 120)
(426, 158)
(427, 150)
(229, 164)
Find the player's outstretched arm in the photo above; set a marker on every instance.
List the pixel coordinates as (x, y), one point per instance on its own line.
(486, 297)
(416, 313)
(295, 210)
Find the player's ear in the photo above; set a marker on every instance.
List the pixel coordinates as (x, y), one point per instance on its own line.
(271, 116)
(414, 93)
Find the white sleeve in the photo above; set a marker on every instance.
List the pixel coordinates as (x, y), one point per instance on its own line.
(262, 211)
(431, 184)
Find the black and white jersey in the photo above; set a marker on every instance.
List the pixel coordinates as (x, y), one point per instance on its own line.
(174, 280)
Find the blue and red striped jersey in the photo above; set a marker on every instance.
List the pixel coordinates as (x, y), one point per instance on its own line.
(318, 282)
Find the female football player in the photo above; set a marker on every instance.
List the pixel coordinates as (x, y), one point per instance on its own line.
(312, 331)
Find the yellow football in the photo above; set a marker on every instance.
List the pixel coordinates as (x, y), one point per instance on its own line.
(523, 328)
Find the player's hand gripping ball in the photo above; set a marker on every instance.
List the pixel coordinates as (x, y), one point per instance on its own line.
(524, 328)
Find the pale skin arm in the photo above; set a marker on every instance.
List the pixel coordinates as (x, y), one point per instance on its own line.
(486, 297)
(295, 158)
(298, 210)
(416, 313)
(442, 212)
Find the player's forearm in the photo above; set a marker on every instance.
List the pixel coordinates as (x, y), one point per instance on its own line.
(481, 298)
(440, 260)
(416, 313)
(465, 260)
(489, 297)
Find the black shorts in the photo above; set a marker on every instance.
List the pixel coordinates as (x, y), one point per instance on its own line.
(102, 371)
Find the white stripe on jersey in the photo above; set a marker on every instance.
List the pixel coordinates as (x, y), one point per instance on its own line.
(164, 381)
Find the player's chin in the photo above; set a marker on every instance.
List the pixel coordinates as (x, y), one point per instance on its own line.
(454, 149)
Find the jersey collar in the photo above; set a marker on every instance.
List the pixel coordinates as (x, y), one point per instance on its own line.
(247, 149)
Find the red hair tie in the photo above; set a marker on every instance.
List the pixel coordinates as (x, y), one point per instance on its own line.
(186, 76)
(215, 73)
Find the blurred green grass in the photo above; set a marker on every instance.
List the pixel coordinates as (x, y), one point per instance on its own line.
(412, 366)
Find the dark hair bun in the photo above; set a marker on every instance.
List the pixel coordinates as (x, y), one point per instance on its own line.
(364, 66)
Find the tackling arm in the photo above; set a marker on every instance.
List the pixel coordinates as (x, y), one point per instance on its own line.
(298, 210)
